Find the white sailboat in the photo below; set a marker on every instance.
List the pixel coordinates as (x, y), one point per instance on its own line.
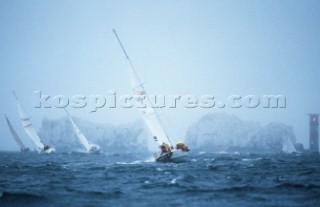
(23, 148)
(151, 118)
(90, 147)
(26, 123)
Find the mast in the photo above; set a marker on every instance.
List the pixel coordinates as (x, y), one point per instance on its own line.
(149, 114)
(129, 61)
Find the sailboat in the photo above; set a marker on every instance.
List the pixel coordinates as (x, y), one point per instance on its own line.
(151, 118)
(90, 147)
(23, 148)
(26, 123)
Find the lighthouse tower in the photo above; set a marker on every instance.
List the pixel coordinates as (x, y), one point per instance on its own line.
(314, 133)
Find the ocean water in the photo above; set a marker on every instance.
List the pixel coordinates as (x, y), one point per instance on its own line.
(29, 179)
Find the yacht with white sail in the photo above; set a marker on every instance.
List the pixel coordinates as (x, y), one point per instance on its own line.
(90, 147)
(16, 138)
(149, 114)
(27, 125)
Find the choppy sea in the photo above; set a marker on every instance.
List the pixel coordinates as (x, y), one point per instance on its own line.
(205, 179)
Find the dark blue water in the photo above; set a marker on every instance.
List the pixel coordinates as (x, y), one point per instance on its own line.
(135, 180)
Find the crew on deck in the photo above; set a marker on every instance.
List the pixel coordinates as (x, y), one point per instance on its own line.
(165, 148)
(182, 146)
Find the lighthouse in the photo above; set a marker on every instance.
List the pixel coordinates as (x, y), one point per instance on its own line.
(314, 133)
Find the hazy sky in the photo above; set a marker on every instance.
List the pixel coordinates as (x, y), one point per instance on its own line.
(220, 48)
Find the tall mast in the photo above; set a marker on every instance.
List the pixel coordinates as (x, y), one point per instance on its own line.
(139, 85)
(127, 57)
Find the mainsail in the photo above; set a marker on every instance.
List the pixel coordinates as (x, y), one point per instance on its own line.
(26, 123)
(148, 112)
(84, 141)
(15, 136)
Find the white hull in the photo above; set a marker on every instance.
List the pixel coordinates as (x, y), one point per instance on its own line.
(173, 156)
(49, 151)
(179, 155)
(94, 151)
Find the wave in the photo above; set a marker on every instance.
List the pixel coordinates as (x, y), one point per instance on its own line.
(104, 194)
(288, 185)
(136, 162)
(129, 163)
(249, 160)
(174, 181)
(249, 188)
(20, 198)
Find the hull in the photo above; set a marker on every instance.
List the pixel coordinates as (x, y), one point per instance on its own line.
(25, 149)
(94, 151)
(48, 151)
(174, 156)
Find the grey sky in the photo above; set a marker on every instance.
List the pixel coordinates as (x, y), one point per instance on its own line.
(178, 47)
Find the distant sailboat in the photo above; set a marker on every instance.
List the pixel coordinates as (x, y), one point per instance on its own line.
(90, 147)
(152, 120)
(23, 148)
(26, 123)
